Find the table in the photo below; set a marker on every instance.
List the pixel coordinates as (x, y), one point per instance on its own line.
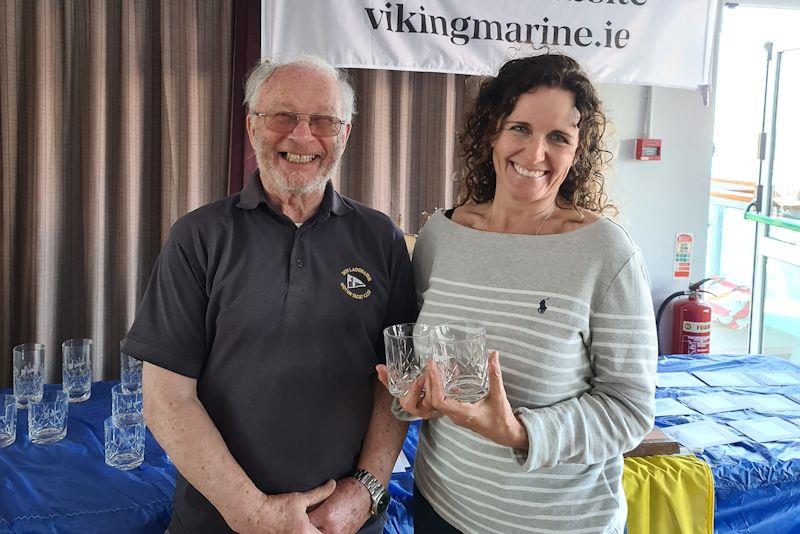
(756, 486)
(66, 487)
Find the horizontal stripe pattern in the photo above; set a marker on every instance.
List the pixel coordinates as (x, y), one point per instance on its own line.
(577, 348)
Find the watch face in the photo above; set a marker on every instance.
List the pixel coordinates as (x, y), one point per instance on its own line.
(383, 503)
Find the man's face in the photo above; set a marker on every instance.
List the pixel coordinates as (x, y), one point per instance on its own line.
(298, 162)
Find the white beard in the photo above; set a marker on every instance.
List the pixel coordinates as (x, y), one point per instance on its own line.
(293, 183)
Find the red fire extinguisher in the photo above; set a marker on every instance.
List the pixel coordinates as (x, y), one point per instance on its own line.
(691, 321)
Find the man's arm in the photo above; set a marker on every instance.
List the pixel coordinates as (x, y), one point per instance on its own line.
(184, 430)
(384, 438)
(349, 507)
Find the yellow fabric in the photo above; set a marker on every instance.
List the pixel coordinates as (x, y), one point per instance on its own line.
(669, 494)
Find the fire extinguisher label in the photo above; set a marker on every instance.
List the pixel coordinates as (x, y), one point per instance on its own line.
(697, 344)
(691, 327)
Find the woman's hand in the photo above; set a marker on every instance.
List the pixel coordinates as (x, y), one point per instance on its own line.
(492, 417)
(414, 401)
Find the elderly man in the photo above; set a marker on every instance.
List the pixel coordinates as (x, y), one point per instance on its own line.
(262, 325)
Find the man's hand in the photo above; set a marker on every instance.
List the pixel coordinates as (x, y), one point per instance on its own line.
(414, 401)
(492, 417)
(345, 511)
(286, 513)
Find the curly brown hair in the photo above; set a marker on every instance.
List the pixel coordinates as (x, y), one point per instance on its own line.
(583, 187)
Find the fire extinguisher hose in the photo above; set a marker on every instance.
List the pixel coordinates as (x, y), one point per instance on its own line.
(661, 311)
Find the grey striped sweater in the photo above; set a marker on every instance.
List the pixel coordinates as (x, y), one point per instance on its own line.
(572, 318)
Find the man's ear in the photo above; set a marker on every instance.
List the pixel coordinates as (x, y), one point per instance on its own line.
(249, 126)
(347, 128)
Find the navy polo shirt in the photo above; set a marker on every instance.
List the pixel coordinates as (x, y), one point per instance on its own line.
(282, 327)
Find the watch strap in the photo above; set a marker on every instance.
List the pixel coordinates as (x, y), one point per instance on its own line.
(377, 491)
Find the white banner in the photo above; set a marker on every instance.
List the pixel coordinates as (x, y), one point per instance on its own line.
(653, 42)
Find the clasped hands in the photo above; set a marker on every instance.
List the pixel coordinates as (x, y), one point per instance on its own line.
(338, 507)
(343, 506)
(492, 417)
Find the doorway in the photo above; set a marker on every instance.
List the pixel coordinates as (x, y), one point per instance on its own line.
(754, 215)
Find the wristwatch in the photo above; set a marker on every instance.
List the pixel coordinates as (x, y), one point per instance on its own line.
(380, 497)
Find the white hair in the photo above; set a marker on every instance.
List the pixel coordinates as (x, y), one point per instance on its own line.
(259, 74)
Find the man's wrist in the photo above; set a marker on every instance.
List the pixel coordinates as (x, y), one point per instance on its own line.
(248, 500)
(363, 493)
(377, 494)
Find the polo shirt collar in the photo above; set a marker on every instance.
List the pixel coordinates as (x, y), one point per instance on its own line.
(254, 195)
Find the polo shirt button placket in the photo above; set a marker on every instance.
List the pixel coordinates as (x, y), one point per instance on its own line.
(298, 235)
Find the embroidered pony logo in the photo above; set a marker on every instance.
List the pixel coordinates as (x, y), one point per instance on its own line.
(543, 306)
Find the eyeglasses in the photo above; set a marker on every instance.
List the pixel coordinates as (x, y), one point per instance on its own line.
(287, 121)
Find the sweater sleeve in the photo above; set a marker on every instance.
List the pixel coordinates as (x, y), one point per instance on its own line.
(422, 261)
(614, 415)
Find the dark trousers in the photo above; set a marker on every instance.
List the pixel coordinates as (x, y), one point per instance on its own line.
(426, 520)
(373, 526)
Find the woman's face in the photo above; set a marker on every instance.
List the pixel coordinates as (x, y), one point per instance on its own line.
(536, 145)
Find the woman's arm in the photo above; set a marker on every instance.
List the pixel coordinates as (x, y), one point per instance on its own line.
(614, 415)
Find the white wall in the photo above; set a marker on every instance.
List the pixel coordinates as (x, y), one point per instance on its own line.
(658, 199)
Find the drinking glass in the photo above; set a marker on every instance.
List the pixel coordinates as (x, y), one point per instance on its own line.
(76, 368)
(8, 420)
(47, 417)
(408, 346)
(459, 349)
(130, 371)
(126, 404)
(124, 442)
(28, 373)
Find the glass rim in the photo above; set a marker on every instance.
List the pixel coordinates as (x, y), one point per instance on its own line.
(29, 347)
(387, 332)
(59, 395)
(466, 324)
(120, 389)
(122, 422)
(77, 341)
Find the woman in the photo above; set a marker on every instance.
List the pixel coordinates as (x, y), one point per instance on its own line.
(564, 296)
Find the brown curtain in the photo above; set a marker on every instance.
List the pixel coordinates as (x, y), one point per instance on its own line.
(246, 51)
(114, 121)
(402, 156)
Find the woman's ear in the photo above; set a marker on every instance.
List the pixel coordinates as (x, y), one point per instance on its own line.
(577, 156)
(493, 139)
(496, 135)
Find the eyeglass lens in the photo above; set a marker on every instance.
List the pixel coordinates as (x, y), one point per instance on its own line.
(319, 124)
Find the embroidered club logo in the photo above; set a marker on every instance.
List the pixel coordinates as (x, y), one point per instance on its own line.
(355, 282)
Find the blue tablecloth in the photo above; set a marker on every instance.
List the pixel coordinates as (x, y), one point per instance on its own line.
(66, 487)
(401, 486)
(757, 486)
